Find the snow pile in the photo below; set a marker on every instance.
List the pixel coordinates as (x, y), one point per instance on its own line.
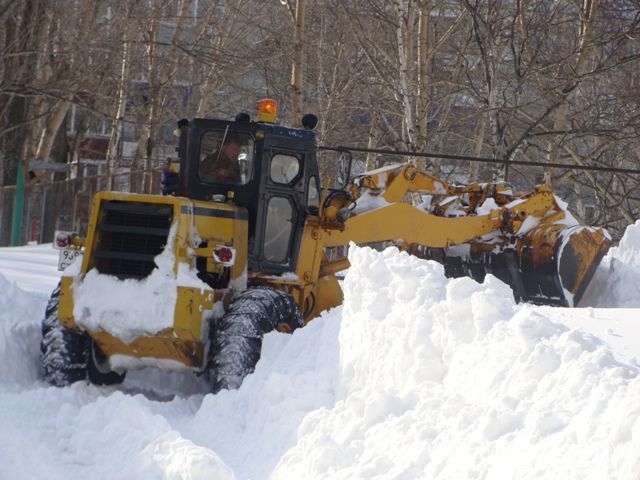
(627, 250)
(616, 283)
(80, 432)
(20, 315)
(452, 380)
(415, 376)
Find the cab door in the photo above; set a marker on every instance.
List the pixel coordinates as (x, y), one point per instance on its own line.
(281, 211)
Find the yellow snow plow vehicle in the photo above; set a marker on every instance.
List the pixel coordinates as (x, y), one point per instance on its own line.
(247, 238)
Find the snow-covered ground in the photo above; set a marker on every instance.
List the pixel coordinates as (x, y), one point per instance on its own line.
(415, 376)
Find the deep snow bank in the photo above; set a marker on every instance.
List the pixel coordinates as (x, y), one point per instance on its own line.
(415, 376)
(450, 379)
(20, 334)
(616, 282)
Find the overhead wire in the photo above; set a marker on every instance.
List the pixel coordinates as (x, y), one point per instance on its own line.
(444, 156)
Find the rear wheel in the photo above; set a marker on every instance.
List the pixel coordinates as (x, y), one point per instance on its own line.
(237, 338)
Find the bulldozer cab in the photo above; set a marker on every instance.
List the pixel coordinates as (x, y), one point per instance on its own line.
(268, 170)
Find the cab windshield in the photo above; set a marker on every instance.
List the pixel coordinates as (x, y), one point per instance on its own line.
(226, 157)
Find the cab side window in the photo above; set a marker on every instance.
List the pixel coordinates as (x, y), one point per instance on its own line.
(284, 168)
(313, 194)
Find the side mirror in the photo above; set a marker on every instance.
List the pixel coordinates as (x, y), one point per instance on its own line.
(344, 169)
(335, 167)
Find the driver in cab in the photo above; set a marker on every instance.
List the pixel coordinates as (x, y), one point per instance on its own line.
(222, 166)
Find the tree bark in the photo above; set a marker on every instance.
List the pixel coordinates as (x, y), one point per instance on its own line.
(297, 86)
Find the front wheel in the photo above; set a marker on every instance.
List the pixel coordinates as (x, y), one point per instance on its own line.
(64, 356)
(64, 351)
(70, 356)
(237, 338)
(98, 369)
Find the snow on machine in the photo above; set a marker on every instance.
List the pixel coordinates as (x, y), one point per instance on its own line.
(193, 279)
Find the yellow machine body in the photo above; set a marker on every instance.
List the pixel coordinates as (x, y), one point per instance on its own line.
(553, 260)
(217, 232)
(196, 229)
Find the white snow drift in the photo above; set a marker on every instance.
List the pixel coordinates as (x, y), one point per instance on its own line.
(415, 376)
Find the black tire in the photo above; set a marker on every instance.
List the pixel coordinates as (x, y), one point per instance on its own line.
(237, 337)
(68, 355)
(64, 351)
(51, 319)
(64, 356)
(98, 369)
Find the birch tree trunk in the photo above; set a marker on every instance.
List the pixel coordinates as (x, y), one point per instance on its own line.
(422, 101)
(297, 68)
(404, 17)
(117, 122)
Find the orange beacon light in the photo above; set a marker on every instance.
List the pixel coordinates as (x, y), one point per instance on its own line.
(267, 110)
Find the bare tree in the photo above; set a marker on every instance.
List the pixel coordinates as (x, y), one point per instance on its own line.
(297, 10)
(506, 79)
(23, 34)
